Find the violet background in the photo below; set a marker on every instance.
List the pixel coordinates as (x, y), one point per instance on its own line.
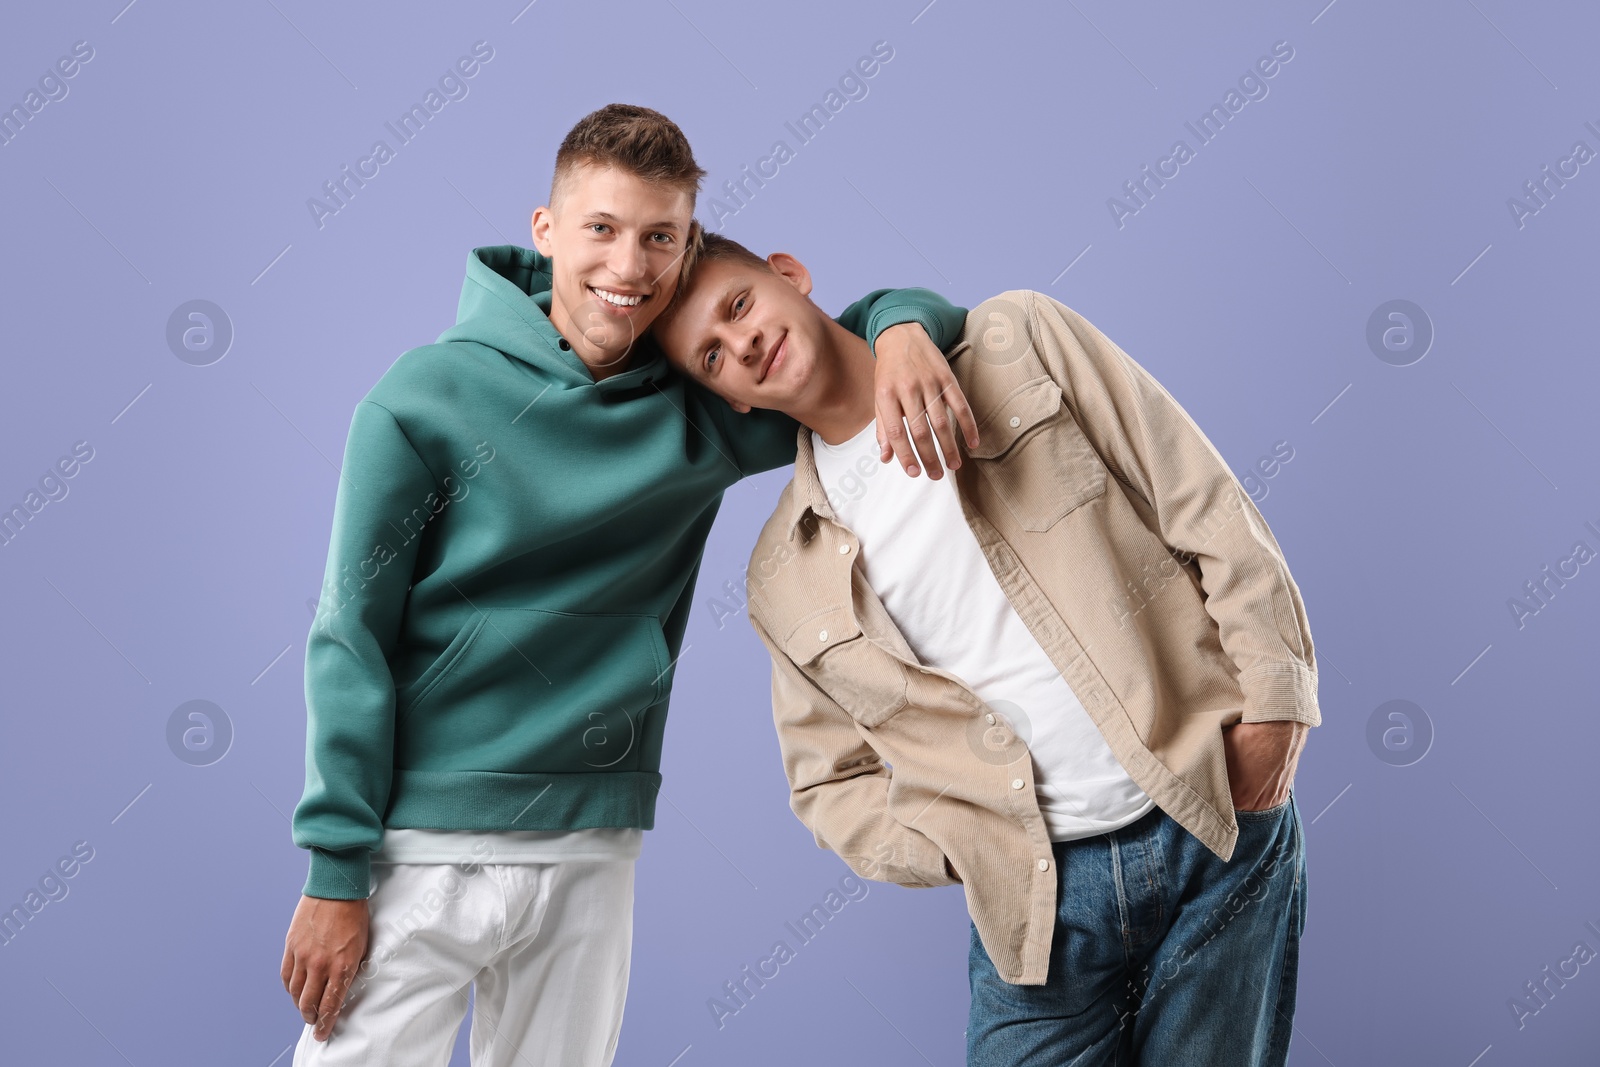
(1420, 498)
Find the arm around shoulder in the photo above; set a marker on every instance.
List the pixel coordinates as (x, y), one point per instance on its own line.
(883, 308)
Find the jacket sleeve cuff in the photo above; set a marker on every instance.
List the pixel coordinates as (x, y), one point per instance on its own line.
(1278, 691)
(342, 875)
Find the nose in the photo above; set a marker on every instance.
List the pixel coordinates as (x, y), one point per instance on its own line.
(748, 345)
(628, 263)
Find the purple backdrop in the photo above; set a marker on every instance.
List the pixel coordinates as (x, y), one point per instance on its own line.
(1440, 459)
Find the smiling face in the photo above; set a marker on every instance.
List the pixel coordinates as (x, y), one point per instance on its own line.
(750, 333)
(616, 242)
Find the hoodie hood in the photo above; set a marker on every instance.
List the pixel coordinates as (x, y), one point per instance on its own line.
(505, 305)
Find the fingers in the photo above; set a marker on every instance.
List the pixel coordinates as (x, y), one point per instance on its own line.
(312, 987)
(910, 372)
(895, 411)
(891, 426)
(943, 399)
(935, 410)
(922, 434)
(956, 401)
(321, 997)
(332, 1002)
(296, 983)
(938, 419)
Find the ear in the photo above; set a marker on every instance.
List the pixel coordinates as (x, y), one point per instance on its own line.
(791, 270)
(543, 221)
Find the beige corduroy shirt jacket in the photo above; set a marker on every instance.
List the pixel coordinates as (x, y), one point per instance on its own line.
(1134, 557)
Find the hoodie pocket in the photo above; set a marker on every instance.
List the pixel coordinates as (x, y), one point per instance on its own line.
(418, 690)
(530, 690)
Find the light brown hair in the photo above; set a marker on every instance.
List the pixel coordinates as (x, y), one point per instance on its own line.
(636, 139)
(704, 246)
(719, 246)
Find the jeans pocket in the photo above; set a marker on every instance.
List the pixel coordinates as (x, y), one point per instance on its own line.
(1264, 814)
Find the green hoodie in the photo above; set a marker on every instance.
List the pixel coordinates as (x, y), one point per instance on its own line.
(510, 573)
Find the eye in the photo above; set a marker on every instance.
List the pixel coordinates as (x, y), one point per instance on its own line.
(598, 227)
(711, 358)
(738, 305)
(665, 238)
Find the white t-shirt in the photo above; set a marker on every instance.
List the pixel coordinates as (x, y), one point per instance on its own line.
(508, 846)
(921, 558)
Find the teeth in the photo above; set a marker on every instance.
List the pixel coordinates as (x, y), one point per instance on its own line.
(617, 298)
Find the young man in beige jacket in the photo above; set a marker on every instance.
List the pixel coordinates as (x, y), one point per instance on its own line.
(1082, 655)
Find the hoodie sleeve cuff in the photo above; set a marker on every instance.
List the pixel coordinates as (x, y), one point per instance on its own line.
(342, 875)
(895, 315)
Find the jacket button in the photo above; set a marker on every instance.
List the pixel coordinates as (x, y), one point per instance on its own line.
(1015, 422)
(1044, 865)
(1017, 783)
(989, 719)
(823, 636)
(844, 550)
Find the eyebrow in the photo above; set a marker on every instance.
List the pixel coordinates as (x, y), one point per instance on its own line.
(664, 224)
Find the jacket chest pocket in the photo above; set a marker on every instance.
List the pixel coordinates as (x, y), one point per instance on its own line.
(1037, 458)
(844, 663)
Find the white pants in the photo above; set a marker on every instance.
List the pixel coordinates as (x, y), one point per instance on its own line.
(546, 944)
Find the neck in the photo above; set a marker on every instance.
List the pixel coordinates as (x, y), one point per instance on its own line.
(842, 405)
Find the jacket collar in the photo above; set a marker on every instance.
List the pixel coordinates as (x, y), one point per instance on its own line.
(808, 495)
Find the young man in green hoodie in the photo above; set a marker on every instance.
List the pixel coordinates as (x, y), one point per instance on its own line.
(520, 521)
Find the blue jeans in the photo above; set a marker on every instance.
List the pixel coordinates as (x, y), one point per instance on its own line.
(1162, 955)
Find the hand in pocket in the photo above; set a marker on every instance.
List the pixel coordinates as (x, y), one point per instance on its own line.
(1261, 761)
